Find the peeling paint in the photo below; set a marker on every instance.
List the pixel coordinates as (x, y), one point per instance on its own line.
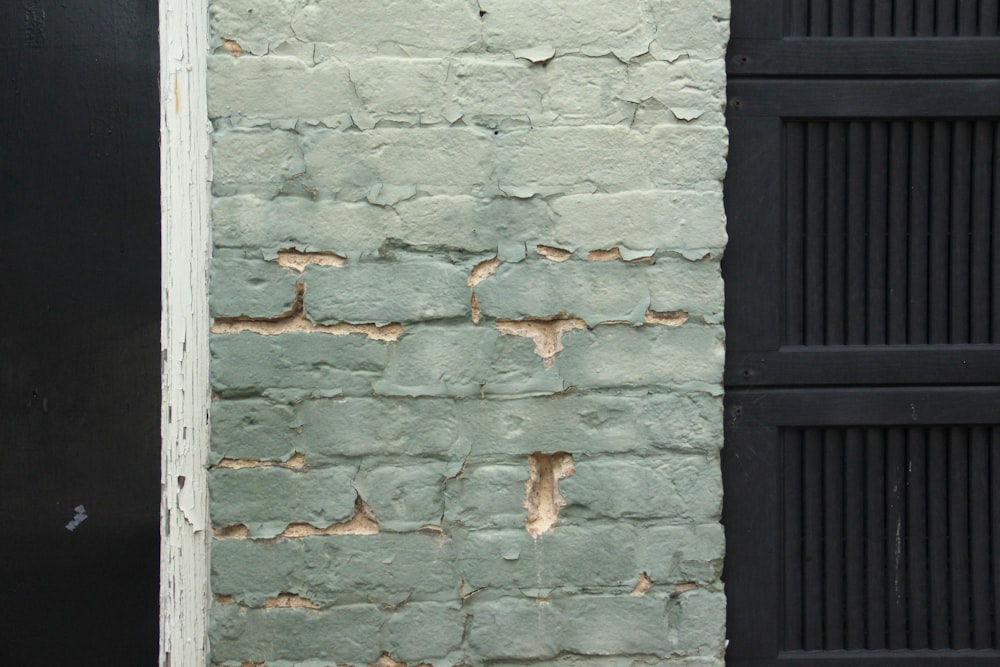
(546, 333)
(643, 585)
(607, 255)
(295, 320)
(482, 271)
(286, 600)
(553, 254)
(296, 259)
(296, 461)
(236, 531)
(232, 47)
(363, 522)
(541, 491)
(670, 318)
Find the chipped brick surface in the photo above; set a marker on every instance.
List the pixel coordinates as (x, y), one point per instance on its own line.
(467, 336)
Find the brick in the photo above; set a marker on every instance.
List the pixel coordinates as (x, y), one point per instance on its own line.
(258, 25)
(688, 156)
(445, 26)
(513, 628)
(337, 570)
(621, 356)
(391, 85)
(424, 631)
(597, 557)
(464, 362)
(596, 28)
(675, 489)
(695, 86)
(254, 161)
(278, 87)
(344, 634)
(404, 497)
(252, 428)
(506, 88)
(471, 223)
(266, 500)
(487, 496)
(700, 624)
(387, 291)
(571, 160)
(689, 222)
(253, 287)
(247, 364)
(701, 30)
(680, 421)
(434, 160)
(293, 222)
(584, 90)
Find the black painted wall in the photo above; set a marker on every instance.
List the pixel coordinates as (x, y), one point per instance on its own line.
(79, 314)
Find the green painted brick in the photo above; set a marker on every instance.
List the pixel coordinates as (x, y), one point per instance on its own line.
(258, 25)
(266, 500)
(249, 363)
(348, 228)
(513, 628)
(252, 287)
(700, 622)
(424, 631)
(404, 497)
(256, 161)
(386, 568)
(598, 557)
(343, 634)
(464, 361)
(252, 428)
(673, 488)
(487, 496)
(386, 291)
(621, 356)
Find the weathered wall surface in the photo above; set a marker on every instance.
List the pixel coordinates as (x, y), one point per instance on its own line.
(467, 338)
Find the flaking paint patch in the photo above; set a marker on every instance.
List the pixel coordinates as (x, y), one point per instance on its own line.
(225, 600)
(684, 587)
(553, 253)
(482, 271)
(386, 660)
(641, 586)
(237, 531)
(295, 320)
(541, 491)
(604, 255)
(546, 333)
(298, 260)
(296, 461)
(474, 307)
(232, 47)
(363, 522)
(670, 318)
(286, 600)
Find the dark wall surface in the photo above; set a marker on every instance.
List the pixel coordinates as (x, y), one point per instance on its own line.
(79, 371)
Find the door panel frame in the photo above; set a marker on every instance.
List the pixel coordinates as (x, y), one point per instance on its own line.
(185, 175)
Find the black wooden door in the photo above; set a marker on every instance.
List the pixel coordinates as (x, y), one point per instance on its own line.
(862, 456)
(79, 369)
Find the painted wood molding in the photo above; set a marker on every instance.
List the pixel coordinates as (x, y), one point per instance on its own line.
(185, 174)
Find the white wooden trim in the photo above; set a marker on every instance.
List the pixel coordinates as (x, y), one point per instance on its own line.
(185, 172)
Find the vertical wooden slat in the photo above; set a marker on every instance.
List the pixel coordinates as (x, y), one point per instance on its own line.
(812, 526)
(937, 536)
(819, 18)
(875, 514)
(815, 246)
(902, 18)
(994, 504)
(861, 18)
(944, 20)
(833, 539)
(940, 207)
(882, 18)
(958, 530)
(792, 505)
(854, 538)
(857, 233)
(924, 19)
(795, 188)
(836, 197)
(840, 18)
(968, 18)
(895, 520)
(878, 198)
(961, 178)
(916, 537)
(979, 533)
(995, 250)
(798, 18)
(989, 17)
(979, 288)
(898, 222)
(918, 270)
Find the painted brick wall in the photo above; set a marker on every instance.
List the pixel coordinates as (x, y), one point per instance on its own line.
(467, 339)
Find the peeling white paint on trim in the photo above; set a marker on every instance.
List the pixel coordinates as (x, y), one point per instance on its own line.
(185, 172)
